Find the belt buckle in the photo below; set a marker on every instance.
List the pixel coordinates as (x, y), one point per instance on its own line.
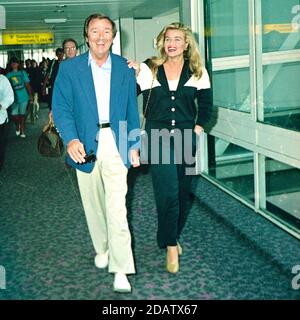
(104, 125)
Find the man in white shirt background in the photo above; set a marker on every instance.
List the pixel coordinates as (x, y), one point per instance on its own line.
(6, 99)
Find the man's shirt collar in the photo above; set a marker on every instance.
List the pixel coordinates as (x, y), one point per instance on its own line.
(106, 65)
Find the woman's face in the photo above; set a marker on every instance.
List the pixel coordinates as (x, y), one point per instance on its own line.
(175, 43)
(14, 66)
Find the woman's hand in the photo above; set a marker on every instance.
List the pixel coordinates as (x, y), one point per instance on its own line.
(135, 65)
(134, 158)
(198, 129)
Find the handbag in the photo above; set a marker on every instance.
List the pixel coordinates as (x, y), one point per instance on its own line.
(50, 143)
(144, 136)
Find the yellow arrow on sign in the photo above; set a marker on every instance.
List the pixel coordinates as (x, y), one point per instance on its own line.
(27, 38)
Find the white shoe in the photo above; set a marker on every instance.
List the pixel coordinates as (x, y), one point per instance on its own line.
(22, 135)
(121, 283)
(17, 133)
(101, 260)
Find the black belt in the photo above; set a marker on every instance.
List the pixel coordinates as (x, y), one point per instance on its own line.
(103, 125)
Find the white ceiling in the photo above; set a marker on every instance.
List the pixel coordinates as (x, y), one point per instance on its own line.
(28, 16)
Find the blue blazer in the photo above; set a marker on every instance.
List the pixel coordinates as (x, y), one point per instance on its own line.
(75, 112)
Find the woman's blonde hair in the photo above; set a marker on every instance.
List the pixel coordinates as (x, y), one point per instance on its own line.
(191, 53)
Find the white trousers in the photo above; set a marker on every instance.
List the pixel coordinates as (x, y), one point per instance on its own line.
(103, 194)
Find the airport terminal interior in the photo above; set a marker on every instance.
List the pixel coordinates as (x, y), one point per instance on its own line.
(242, 238)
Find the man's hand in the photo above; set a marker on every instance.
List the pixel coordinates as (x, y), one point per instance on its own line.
(76, 151)
(134, 158)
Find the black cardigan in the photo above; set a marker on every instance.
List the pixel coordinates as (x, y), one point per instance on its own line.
(176, 108)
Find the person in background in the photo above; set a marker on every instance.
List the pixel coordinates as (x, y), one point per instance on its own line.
(6, 99)
(43, 67)
(51, 75)
(70, 47)
(94, 109)
(23, 93)
(35, 76)
(174, 80)
(21, 65)
(27, 64)
(2, 71)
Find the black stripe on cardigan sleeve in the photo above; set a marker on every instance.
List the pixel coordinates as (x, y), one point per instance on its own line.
(204, 99)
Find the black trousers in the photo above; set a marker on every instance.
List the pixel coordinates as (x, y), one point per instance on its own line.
(3, 142)
(171, 158)
(171, 180)
(171, 189)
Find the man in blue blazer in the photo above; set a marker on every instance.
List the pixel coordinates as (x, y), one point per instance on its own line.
(95, 111)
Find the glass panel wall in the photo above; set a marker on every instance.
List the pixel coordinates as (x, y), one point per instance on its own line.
(281, 62)
(229, 28)
(229, 49)
(234, 168)
(254, 52)
(283, 191)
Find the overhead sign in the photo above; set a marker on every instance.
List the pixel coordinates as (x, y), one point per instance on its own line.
(27, 38)
(279, 27)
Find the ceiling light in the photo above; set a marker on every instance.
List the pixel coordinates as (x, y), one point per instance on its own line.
(55, 20)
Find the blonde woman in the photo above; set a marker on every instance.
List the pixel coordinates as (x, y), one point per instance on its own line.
(170, 83)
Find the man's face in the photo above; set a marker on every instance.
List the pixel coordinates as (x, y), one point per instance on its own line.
(60, 55)
(99, 37)
(70, 49)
